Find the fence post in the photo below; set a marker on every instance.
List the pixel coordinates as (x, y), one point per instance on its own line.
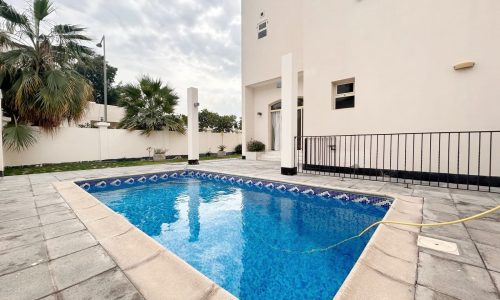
(103, 140)
(193, 135)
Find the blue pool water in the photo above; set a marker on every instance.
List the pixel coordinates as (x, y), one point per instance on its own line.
(239, 236)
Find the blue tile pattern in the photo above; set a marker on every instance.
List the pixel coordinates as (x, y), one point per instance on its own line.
(135, 180)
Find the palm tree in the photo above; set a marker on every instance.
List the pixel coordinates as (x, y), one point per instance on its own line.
(149, 106)
(37, 78)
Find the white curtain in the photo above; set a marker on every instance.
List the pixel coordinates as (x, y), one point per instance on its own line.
(276, 130)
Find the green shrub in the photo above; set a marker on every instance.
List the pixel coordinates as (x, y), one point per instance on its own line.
(238, 149)
(255, 146)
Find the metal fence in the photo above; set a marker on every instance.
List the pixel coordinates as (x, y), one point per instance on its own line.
(467, 160)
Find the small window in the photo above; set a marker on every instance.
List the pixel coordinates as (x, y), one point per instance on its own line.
(343, 94)
(262, 30)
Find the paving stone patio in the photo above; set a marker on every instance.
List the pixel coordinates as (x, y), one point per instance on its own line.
(47, 253)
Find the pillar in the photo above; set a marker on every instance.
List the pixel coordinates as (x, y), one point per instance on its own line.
(193, 139)
(289, 91)
(103, 140)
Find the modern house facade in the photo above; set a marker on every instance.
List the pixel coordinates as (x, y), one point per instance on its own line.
(367, 67)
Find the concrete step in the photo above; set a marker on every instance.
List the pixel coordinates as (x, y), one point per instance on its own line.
(270, 156)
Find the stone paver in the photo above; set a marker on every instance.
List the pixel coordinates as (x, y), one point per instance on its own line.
(458, 280)
(70, 243)
(112, 284)
(491, 256)
(31, 283)
(47, 252)
(485, 237)
(20, 224)
(62, 228)
(22, 257)
(56, 217)
(496, 278)
(424, 293)
(20, 238)
(80, 266)
(484, 225)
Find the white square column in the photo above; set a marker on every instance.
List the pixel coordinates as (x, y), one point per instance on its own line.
(103, 140)
(247, 113)
(289, 91)
(193, 140)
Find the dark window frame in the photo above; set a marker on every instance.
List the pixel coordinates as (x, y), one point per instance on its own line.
(344, 94)
(262, 29)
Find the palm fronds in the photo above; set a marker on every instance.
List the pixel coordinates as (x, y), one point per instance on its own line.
(41, 9)
(11, 17)
(17, 136)
(37, 77)
(149, 106)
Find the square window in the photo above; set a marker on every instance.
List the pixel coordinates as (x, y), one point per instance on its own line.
(262, 30)
(345, 88)
(343, 94)
(262, 34)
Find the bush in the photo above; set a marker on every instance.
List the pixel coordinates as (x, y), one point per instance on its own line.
(255, 146)
(238, 149)
(160, 151)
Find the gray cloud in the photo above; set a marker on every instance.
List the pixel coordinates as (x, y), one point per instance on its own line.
(185, 42)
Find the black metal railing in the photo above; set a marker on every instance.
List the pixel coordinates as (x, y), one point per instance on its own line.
(467, 160)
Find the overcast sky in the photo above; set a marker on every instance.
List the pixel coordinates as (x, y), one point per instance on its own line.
(184, 42)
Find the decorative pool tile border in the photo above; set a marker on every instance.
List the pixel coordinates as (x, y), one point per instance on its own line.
(96, 185)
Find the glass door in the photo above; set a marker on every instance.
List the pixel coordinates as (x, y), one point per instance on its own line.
(275, 130)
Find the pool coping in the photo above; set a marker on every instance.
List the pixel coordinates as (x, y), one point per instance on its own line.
(387, 267)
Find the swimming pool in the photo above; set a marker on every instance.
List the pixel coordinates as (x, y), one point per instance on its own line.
(250, 236)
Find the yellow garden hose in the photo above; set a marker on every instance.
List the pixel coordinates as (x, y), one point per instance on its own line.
(477, 216)
(432, 224)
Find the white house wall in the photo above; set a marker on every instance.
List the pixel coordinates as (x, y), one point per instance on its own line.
(263, 97)
(402, 55)
(262, 57)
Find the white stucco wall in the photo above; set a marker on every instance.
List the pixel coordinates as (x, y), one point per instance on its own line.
(95, 112)
(262, 57)
(401, 55)
(71, 144)
(265, 95)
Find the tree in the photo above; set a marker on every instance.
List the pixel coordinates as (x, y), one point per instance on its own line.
(92, 69)
(149, 106)
(225, 124)
(37, 77)
(215, 122)
(207, 120)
